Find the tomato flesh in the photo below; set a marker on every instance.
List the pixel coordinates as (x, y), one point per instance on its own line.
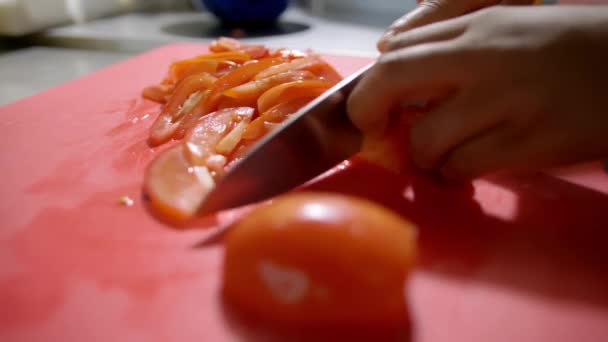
(296, 64)
(155, 93)
(175, 187)
(203, 140)
(250, 91)
(291, 91)
(234, 78)
(180, 70)
(229, 44)
(186, 95)
(277, 114)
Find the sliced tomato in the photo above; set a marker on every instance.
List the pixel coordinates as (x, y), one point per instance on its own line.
(296, 64)
(175, 187)
(291, 91)
(254, 89)
(217, 134)
(229, 102)
(168, 121)
(290, 54)
(184, 89)
(155, 93)
(229, 44)
(325, 71)
(234, 78)
(277, 114)
(180, 70)
(234, 56)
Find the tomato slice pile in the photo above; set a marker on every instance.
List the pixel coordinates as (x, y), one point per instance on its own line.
(217, 105)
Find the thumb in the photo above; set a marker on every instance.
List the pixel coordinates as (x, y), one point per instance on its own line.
(431, 11)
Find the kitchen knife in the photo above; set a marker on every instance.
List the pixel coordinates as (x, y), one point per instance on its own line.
(311, 141)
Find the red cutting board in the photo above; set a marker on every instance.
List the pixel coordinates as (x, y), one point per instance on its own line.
(512, 259)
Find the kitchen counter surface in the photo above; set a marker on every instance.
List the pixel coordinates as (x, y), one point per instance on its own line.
(28, 71)
(349, 33)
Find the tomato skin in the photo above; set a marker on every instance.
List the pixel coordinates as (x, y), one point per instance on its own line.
(180, 70)
(320, 260)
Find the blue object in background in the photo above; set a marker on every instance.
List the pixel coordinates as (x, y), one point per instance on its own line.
(244, 13)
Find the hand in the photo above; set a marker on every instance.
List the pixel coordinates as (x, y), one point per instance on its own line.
(431, 11)
(528, 88)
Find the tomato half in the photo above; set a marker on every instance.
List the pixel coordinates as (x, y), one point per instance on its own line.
(291, 91)
(316, 259)
(234, 78)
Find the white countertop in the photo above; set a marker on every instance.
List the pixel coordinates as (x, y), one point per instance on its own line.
(28, 71)
(354, 33)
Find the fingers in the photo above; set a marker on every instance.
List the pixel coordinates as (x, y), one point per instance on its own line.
(410, 74)
(450, 125)
(493, 150)
(445, 30)
(431, 11)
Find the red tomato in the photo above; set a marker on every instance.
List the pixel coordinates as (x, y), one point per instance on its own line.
(250, 91)
(277, 114)
(234, 78)
(217, 134)
(175, 187)
(291, 91)
(323, 260)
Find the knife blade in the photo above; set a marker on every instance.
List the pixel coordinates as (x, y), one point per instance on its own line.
(311, 141)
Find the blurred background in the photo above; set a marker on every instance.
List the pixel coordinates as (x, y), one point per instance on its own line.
(45, 43)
